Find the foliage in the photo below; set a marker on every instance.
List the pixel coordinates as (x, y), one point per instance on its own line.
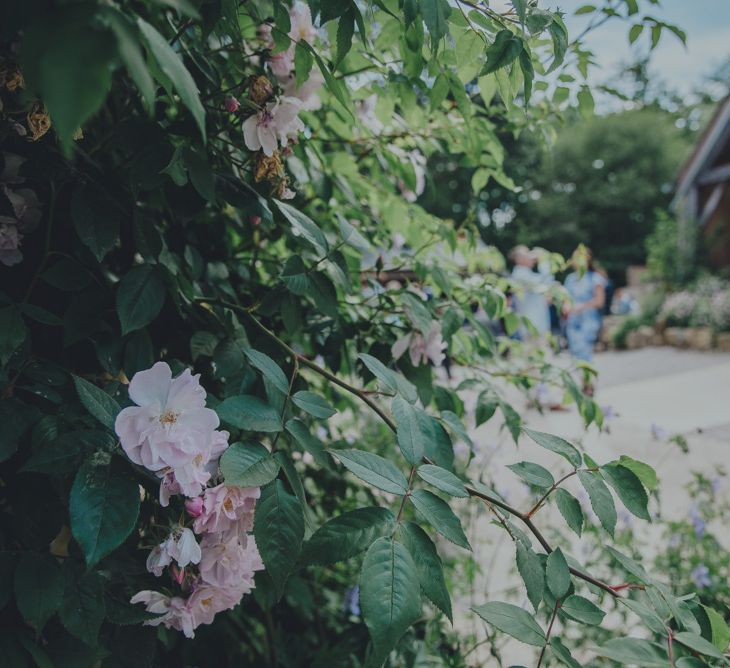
(665, 259)
(160, 140)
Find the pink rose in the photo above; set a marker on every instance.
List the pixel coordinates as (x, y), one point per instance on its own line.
(229, 564)
(227, 510)
(169, 426)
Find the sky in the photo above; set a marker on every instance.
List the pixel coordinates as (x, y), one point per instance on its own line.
(706, 22)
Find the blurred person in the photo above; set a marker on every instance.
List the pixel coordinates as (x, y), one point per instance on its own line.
(587, 289)
(529, 298)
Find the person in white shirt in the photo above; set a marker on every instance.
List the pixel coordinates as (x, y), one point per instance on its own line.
(530, 287)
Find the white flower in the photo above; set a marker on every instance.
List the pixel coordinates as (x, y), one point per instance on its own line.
(276, 123)
(180, 546)
(422, 348)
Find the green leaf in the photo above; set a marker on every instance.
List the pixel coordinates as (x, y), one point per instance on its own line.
(656, 35)
(103, 407)
(531, 570)
(334, 86)
(103, 508)
(349, 534)
(140, 296)
(294, 275)
(557, 573)
(435, 15)
(248, 465)
(428, 565)
(533, 474)
(586, 104)
(313, 404)
(559, 34)
(437, 446)
(644, 472)
(652, 620)
(96, 220)
(698, 644)
(303, 62)
(437, 512)
(173, 68)
(556, 444)
(454, 423)
(345, 32)
(417, 312)
(311, 444)
(528, 71)
(61, 455)
(503, 51)
(83, 608)
(634, 651)
(249, 413)
(12, 332)
(629, 565)
(629, 489)
(719, 628)
(389, 593)
(279, 531)
(512, 420)
(68, 62)
(270, 369)
(585, 9)
(130, 51)
(392, 380)
(582, 610)
(570, 509)
(409, 420)
(690, 662)
(601, 500)
(562, 653)
(635, 32)
(304, 226)
(373, 469)
(512, 620)
(443, 480)
(38, 588)
(521, 9)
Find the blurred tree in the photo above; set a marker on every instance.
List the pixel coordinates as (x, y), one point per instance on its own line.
(601, 184)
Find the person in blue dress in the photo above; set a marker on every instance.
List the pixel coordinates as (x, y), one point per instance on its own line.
(587, 289)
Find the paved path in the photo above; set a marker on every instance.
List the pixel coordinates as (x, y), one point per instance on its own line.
(681, 392)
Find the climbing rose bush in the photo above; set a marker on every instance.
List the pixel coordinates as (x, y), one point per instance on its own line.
(227, 437)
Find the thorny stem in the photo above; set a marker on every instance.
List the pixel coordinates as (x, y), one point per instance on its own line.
(670, 649)
(549, 631)
(363, 396)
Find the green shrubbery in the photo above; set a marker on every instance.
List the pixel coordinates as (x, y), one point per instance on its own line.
(221, 188)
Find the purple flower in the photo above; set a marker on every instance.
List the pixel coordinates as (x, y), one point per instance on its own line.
(697, 522)
(701, 577)
(674, 540)
(608, 413)
(351, 603)
(658, 432)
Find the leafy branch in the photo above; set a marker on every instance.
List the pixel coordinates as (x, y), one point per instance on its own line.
(524, 517)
